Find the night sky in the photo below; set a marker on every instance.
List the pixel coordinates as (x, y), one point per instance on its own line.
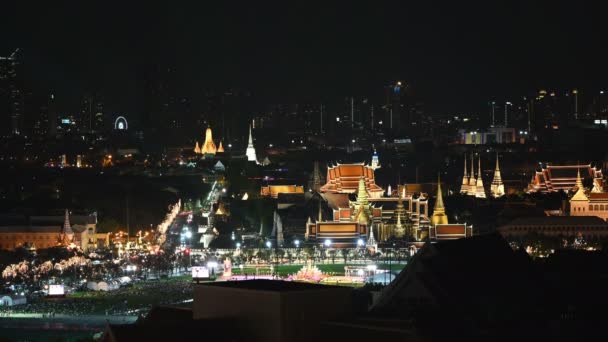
(455, 56)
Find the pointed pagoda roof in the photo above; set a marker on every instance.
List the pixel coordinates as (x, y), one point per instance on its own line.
(497, 178)
(371, 241)
(479, 178)
(67, 227)
(439, 216)
(465, 175)
(250, 151)
(220, 149)
(472, 180)
(197, 149)
(208, 146)
(580, 192)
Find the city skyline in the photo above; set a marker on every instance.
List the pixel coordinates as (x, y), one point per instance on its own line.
(454, 58)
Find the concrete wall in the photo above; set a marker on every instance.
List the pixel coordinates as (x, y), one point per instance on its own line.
(273, 316)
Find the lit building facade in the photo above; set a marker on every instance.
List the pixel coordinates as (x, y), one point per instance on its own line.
(274, 190)
(42, 232)
(588, 204)
(552, 178)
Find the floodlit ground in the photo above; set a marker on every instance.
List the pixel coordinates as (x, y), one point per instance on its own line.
(287, 270)
(140, 296)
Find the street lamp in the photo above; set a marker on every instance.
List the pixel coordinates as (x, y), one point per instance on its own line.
(297, 243)
(327, 243)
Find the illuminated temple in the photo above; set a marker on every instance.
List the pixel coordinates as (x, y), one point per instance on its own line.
(552, 178)
(344, 179)
(400, 214)
(208, 147)
(471, 185)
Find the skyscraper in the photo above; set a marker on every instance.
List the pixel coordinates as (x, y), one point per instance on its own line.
(393, 107)
(10, 92)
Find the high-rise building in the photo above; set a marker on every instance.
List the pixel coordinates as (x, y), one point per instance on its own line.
(91, 114)
(10, 92)
(394, 107)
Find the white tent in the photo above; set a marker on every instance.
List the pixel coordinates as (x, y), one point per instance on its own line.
(12, 300)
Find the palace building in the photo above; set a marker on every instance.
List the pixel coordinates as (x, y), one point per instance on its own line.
(40, 232)
(552, 178)
(588, 204)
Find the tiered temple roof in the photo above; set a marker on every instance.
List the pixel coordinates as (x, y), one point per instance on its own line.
(552, 178)
(344, 178)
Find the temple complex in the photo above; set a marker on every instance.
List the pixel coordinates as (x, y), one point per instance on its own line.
(497, 188)
(400, 214)
(552, 178)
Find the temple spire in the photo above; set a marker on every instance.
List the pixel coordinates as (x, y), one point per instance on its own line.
(67, 234)
(439, 202)
(208, 146)
(472, 180)
(439, 216)
(362, 192)
(250, 152)
(497, 188)
(479, 189)
(579, 180)
(464, 188)
(580, 192)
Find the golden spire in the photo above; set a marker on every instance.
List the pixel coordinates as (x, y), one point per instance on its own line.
(208, 145)
(579, 180)
(197, 149)
(580, 192)
(439, 216)
(362, 214)
(362, 193)
(220, 149)
(465, 177)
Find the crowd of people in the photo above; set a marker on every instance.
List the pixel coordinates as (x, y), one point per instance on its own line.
(138, 298)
